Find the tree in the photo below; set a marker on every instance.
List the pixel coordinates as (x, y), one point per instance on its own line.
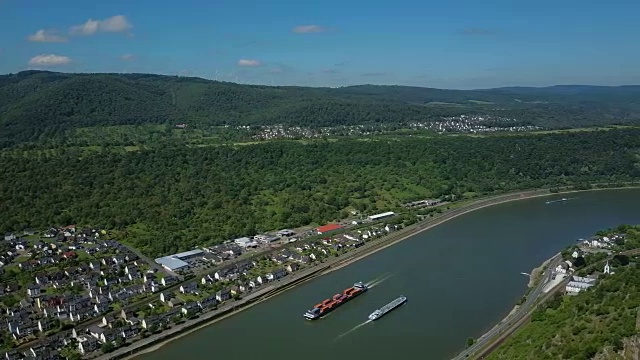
(120, 341)
(10, 300)
(107, 347)
(579, 262)
(620, 260)
(70, 353)
(470, 341)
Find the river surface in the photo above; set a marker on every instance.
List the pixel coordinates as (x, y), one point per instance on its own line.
(460, 278)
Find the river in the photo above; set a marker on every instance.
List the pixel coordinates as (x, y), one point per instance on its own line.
(460, 278)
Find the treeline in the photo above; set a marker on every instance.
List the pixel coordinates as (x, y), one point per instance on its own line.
(172, 197)
(37, 105)
(594, 322)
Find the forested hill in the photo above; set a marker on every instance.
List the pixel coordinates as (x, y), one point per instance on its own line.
(172, 198)
(36, 104)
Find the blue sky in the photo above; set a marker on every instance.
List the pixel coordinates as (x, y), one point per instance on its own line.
(444, 44)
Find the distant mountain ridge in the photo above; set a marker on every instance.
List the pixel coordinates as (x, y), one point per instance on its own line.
(571, 89)
(36, 104)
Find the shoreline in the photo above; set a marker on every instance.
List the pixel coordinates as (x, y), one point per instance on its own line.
(536, 272)
(375, 246)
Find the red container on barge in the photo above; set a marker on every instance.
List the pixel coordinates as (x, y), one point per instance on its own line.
(328, 305)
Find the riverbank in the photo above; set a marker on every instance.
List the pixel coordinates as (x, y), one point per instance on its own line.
(535, 273)
(475, 351)
(347, 259)
(513, 328)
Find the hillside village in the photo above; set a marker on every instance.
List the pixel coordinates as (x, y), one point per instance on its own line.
(586, 255)
(70, 292)
(453, 124)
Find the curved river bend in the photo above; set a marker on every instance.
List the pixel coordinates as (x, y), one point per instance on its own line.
(460, 278)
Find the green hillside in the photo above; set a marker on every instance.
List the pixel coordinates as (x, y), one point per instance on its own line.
(37, 105)
(172, 197)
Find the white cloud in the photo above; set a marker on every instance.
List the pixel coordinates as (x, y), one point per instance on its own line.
(249, 62)
(127, 57)
(49, 36)
(305, 29)
(118, 23)
(88, 28)
(49, 60)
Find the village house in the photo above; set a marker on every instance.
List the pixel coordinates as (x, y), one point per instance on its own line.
(190, 308)
(227, 273)
(208, 302)
(151, 286)
(87, 344)
(175, 302)
(130, 331)
(562, 268)
(168, 280)
(166, 296)
(189, 288)
(149, 322)
(106, 321)
(223, 295)
(276, 274)
(126, 314)
(208, 280)
(291, 267)
(235, 290)
(100, 308)
(44, 325)
(33, 290)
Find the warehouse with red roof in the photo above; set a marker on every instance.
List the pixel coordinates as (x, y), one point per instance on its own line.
(329, 228)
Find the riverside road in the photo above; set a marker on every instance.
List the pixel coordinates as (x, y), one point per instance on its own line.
(522, 311)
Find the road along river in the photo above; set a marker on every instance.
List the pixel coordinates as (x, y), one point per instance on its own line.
(461, 278)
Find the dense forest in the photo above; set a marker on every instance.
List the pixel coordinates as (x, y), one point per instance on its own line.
(171, 197)
(36, 105)
(599, 323)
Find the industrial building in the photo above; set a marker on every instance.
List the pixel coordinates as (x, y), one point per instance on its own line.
(578, 284)
(266, 239)
(381, 216)
(328, 228)
(286, 232)
(245, 242)
(177, 261)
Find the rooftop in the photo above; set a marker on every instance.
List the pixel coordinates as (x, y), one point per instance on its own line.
(187, 254)
(171, 262)
(329, 227)
(384, 214)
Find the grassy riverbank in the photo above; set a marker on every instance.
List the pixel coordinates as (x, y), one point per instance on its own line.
(333, 264)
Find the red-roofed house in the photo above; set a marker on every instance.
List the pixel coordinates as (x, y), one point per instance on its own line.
(329, 228)
(69, 255)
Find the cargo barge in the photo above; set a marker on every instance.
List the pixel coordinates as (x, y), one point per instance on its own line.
(336, 301)
(387, 308)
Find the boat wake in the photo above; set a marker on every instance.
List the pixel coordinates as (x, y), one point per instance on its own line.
(379, 280)
(352, 330)
(559, 200)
